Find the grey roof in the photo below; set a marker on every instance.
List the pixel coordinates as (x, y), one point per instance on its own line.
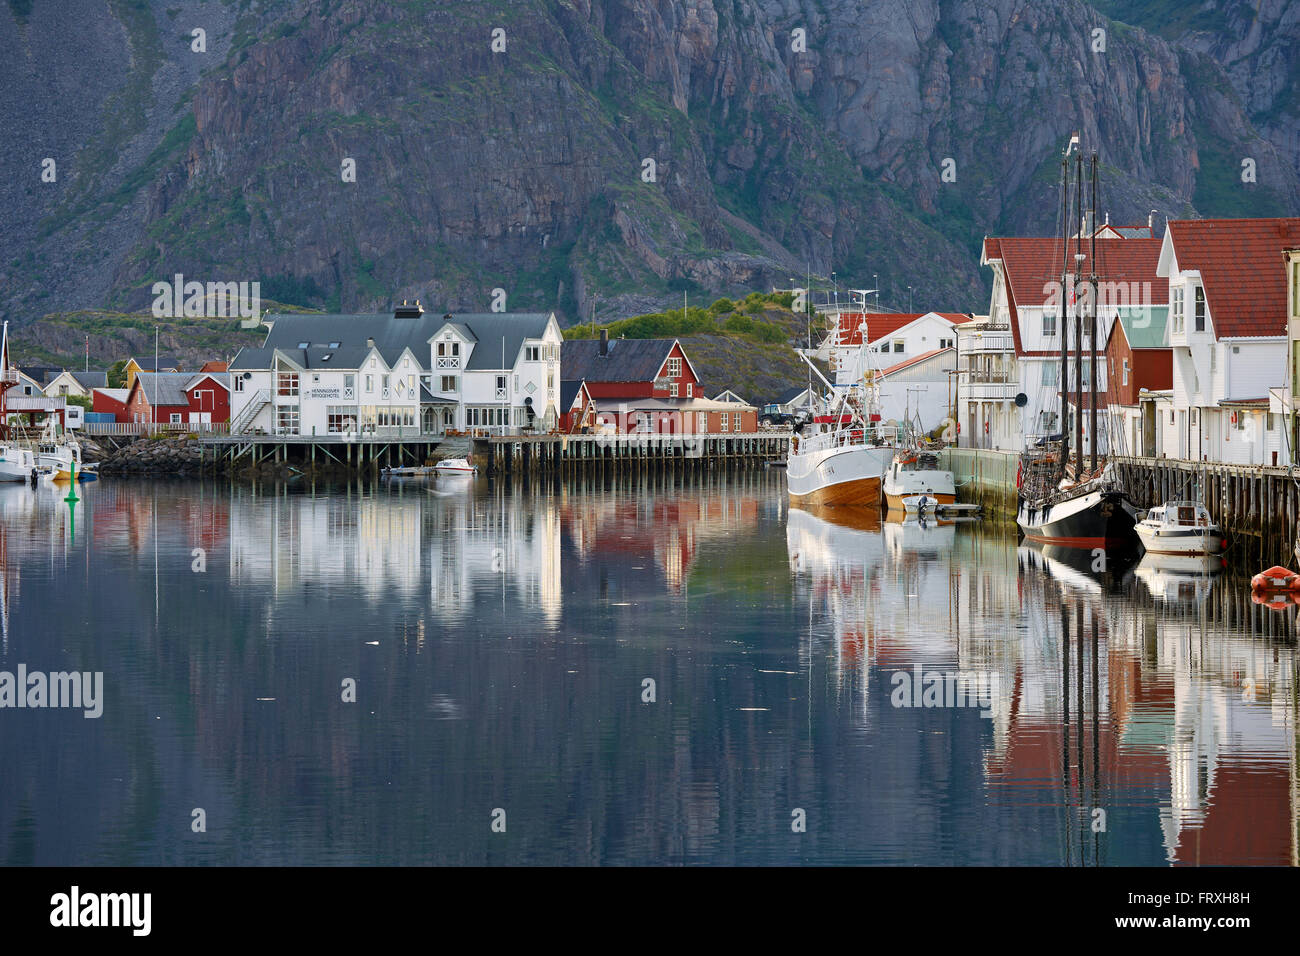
(165, 388)
(165, 361)
(90, 379)
(629, 360)
(41, 374)
(568, 392)
(790, 394)
(392, 336)
(428, 398)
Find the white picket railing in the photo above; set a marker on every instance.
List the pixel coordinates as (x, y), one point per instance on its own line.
(149, 428)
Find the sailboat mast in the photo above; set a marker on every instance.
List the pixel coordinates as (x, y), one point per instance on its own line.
(1063, 312)
(1092, 321)
(1078, 318)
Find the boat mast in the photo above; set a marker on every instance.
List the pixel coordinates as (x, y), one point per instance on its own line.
(1063, 312)
(1078, 319)
(1092, 320)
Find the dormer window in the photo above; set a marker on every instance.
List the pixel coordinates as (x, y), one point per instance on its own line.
(1176, 309)
(1199, 305)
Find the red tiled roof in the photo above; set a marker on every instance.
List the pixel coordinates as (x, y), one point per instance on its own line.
(1240, 261)
(912, 361)
(1032, 265)
(883, 324)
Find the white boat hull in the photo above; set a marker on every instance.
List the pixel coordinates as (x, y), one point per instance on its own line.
(16, 464)
(847, 475)
(1181, 541)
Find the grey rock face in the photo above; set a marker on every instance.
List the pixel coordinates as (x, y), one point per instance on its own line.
(775, 151)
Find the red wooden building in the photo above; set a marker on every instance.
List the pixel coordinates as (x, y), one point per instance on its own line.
(112, 401)
(643, 386)
(178, 398)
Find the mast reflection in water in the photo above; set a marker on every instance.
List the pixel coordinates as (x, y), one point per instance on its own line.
(501, 640)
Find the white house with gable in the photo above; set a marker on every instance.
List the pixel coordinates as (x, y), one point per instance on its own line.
(1228, 330)
(405, 374)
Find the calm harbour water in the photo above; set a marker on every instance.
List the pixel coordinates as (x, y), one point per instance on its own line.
(500, 640)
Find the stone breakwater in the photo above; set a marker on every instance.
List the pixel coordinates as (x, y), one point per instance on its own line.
(180, 457)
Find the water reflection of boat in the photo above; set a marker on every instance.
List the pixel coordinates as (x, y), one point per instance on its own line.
(918, 535)
(825, 538)
(1179, 579)
(1087, 569)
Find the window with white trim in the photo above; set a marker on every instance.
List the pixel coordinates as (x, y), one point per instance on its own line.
(674, 367)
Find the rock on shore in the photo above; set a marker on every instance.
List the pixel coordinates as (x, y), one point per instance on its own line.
(180, 457)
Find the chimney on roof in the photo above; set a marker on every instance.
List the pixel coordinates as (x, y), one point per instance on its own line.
(604, 342)
(405, 311)
(1151, 220)
(370, 342)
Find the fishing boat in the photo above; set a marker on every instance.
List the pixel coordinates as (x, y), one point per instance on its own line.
(58, 457)
(840, 452)
(1068, 497)
(1180, 527)
(17, 463)
(915, 484)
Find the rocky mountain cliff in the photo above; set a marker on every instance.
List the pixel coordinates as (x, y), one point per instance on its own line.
(604, 157)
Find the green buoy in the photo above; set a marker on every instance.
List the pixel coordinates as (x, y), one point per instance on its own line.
(71, 497)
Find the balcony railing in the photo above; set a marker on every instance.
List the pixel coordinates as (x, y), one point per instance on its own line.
(453, 362)
(988, 378)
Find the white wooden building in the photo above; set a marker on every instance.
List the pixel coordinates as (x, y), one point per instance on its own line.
(404, 374)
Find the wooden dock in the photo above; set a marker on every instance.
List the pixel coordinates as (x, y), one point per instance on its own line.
(1255, 501)
(352, 453)
(563, 455)
(551, 455)
(1257, 505)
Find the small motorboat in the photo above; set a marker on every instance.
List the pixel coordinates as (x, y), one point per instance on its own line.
(915, 484)
(1275, 580)
(1180, 527)
(455, 466)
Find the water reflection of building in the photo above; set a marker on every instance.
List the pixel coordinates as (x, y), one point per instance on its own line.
(367, 543)
(668, 529)
(1172, 710)
(504, 548)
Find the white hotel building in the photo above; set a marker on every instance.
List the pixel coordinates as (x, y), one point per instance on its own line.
(404, 374)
